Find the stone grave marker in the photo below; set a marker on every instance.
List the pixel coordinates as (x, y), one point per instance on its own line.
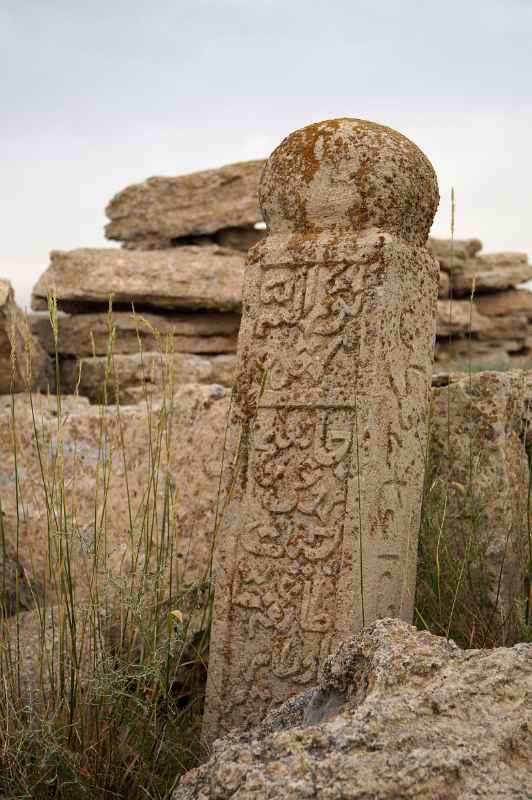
(319, 521)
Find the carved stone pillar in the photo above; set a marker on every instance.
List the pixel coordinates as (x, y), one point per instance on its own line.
(327, 437)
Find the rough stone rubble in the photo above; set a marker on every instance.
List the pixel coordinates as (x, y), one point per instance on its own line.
(396, 714)
(176, 287)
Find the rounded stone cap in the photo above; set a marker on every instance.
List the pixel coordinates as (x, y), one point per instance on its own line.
(345, 175)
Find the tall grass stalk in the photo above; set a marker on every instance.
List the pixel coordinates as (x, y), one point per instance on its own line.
(101, 685)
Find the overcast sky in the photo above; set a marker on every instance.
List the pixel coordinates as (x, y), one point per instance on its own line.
(96, 95)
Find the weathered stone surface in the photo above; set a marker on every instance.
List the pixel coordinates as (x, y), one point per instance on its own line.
(239, 238)
(451, 254)
(131, 376)
(16, 590)
(459, 317)
(88, 334)
(178, 278)
(23, 362)
(329, 417)
(108, 458)
(480, 507)
(500, 304)
(196, 442)
(491, 272)
(187, 205)
(396, 714)
(463, 353)
(443, 285)
(41, 644)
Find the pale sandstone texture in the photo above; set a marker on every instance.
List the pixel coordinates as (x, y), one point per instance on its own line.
(459, 317)
(397, 714)
(130, 377)
(327, 432)
(495, 271)
(196, 444)
(18, 348)
(88, 334)
(108, 457)
(179, 278)
(451, 253)
(501, 304)
(491, 325)
(469, 270)
(41, 644)
(188, 205)
(480, 479)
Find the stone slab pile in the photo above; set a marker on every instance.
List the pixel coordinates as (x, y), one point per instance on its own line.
(179, 274)
(484, 318)
(181, 266)
(24, 363)
(214, 206)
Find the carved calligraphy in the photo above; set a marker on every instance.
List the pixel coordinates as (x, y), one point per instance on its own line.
(327, 433)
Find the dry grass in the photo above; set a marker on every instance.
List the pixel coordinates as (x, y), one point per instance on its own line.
(118, 681)
(101, 694)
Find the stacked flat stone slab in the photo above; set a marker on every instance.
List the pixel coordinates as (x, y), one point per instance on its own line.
(23, 361)
(182, 267)
(181, 273)
(215, 206)
(328, 427)
(488, 322)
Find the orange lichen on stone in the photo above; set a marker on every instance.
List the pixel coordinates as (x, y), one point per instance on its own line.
(349, 174)
(328, 423)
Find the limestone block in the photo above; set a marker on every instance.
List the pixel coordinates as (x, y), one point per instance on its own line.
(179, 278)
(155, 243)
(444, 283)
(459, 317)
(451, 254)
(130, 376)
(485, 355)
(502, 304)
(187, 205)
(107, 457)
(29, 367)
(88, 334)
(481, 470)
(327, 432)
(492, 272)
(396, 714)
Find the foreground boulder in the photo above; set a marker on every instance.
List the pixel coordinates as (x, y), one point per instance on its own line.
(397, 714)
(188, 205)
(178, 278)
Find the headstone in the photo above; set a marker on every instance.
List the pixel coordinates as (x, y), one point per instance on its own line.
(318, 526)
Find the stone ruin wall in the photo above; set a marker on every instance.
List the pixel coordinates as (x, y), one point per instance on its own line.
(181, 265)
